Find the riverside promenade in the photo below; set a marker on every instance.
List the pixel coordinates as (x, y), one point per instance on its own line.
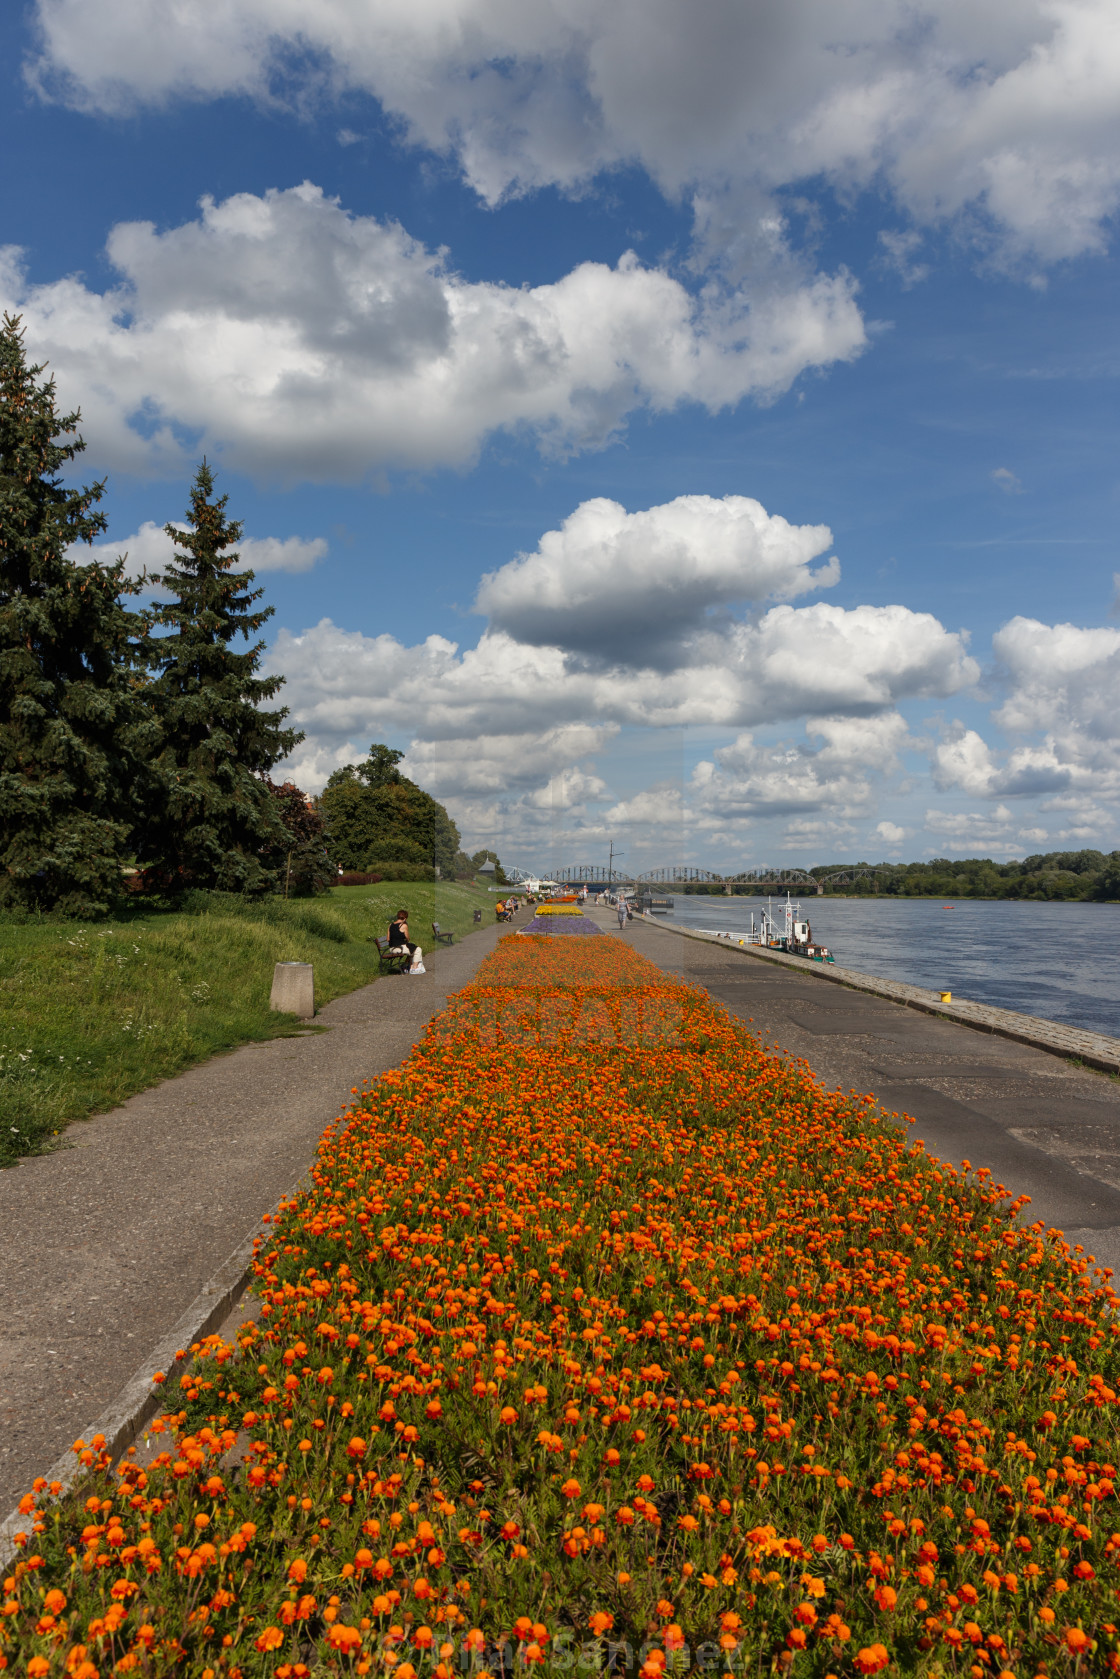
(1043, 1126)
(111, 1246)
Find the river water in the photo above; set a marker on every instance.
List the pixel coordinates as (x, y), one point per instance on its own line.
(1058, 961)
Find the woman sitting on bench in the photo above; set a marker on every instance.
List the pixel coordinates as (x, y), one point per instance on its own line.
(399, 943)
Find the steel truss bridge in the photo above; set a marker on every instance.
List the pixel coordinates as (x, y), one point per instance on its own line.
(763, 879)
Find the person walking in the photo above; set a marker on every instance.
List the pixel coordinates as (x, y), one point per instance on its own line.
(622, 916)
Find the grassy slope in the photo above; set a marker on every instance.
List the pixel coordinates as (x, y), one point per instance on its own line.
(91, 1014)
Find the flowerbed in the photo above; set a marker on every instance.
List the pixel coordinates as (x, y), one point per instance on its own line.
(604, 1338)
(563, 918)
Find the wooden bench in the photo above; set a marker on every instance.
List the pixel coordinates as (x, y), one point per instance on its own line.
(391, 961)
(441, 938)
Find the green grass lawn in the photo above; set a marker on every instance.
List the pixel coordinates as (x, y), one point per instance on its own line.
(90, 1014)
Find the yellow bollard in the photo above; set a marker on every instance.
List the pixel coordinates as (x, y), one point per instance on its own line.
(946, 996)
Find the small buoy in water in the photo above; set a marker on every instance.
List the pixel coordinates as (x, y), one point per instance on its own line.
(946, 996)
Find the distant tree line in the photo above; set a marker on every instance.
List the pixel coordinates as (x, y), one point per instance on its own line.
(137, 744)
(1051, 876)
(1046, 876)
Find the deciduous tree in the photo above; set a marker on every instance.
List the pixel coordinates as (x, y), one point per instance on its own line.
(302, 867)
(374, 814)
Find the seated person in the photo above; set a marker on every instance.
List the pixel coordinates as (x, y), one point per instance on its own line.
(399, 941)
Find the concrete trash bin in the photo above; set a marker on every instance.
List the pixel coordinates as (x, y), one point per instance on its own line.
(293, 989)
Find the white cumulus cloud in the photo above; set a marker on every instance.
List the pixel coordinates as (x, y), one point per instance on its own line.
(1061, 715)
(1005, 116)
(302, 341)
(525, 764)
(511, 734)
(890, 832)
(750, 779)
(966, 831)
(816, 661)
(150, 549)
(634, 587)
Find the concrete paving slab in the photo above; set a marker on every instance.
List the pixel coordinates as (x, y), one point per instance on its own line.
(849, 1024)
(1071, 1111)
(831, 1000)
(783, 989)
(959, 1131)
(105, 1243)
(915, 1072)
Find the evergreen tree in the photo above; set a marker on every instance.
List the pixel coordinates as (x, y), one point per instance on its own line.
(374, 814)
(72, 728)
(217, 823)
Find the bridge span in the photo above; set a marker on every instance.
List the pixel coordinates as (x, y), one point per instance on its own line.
(761, 880)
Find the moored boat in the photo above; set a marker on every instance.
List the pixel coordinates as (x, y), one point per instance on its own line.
(791, 934)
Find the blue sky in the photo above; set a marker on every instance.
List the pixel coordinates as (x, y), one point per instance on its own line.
(625, 310)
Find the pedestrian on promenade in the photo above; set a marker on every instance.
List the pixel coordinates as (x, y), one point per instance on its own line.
(622, 916)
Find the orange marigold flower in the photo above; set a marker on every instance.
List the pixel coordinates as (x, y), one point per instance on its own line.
(346, 1639)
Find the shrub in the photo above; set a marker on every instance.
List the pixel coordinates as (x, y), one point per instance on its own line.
(406, 871)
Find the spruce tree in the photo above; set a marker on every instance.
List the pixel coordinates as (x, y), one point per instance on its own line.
(72, 728)
(216, 824)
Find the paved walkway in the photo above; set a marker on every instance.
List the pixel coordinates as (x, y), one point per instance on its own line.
(1044, 1127)
(104, 1244)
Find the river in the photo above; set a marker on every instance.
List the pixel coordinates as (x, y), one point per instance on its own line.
(1058, 961)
